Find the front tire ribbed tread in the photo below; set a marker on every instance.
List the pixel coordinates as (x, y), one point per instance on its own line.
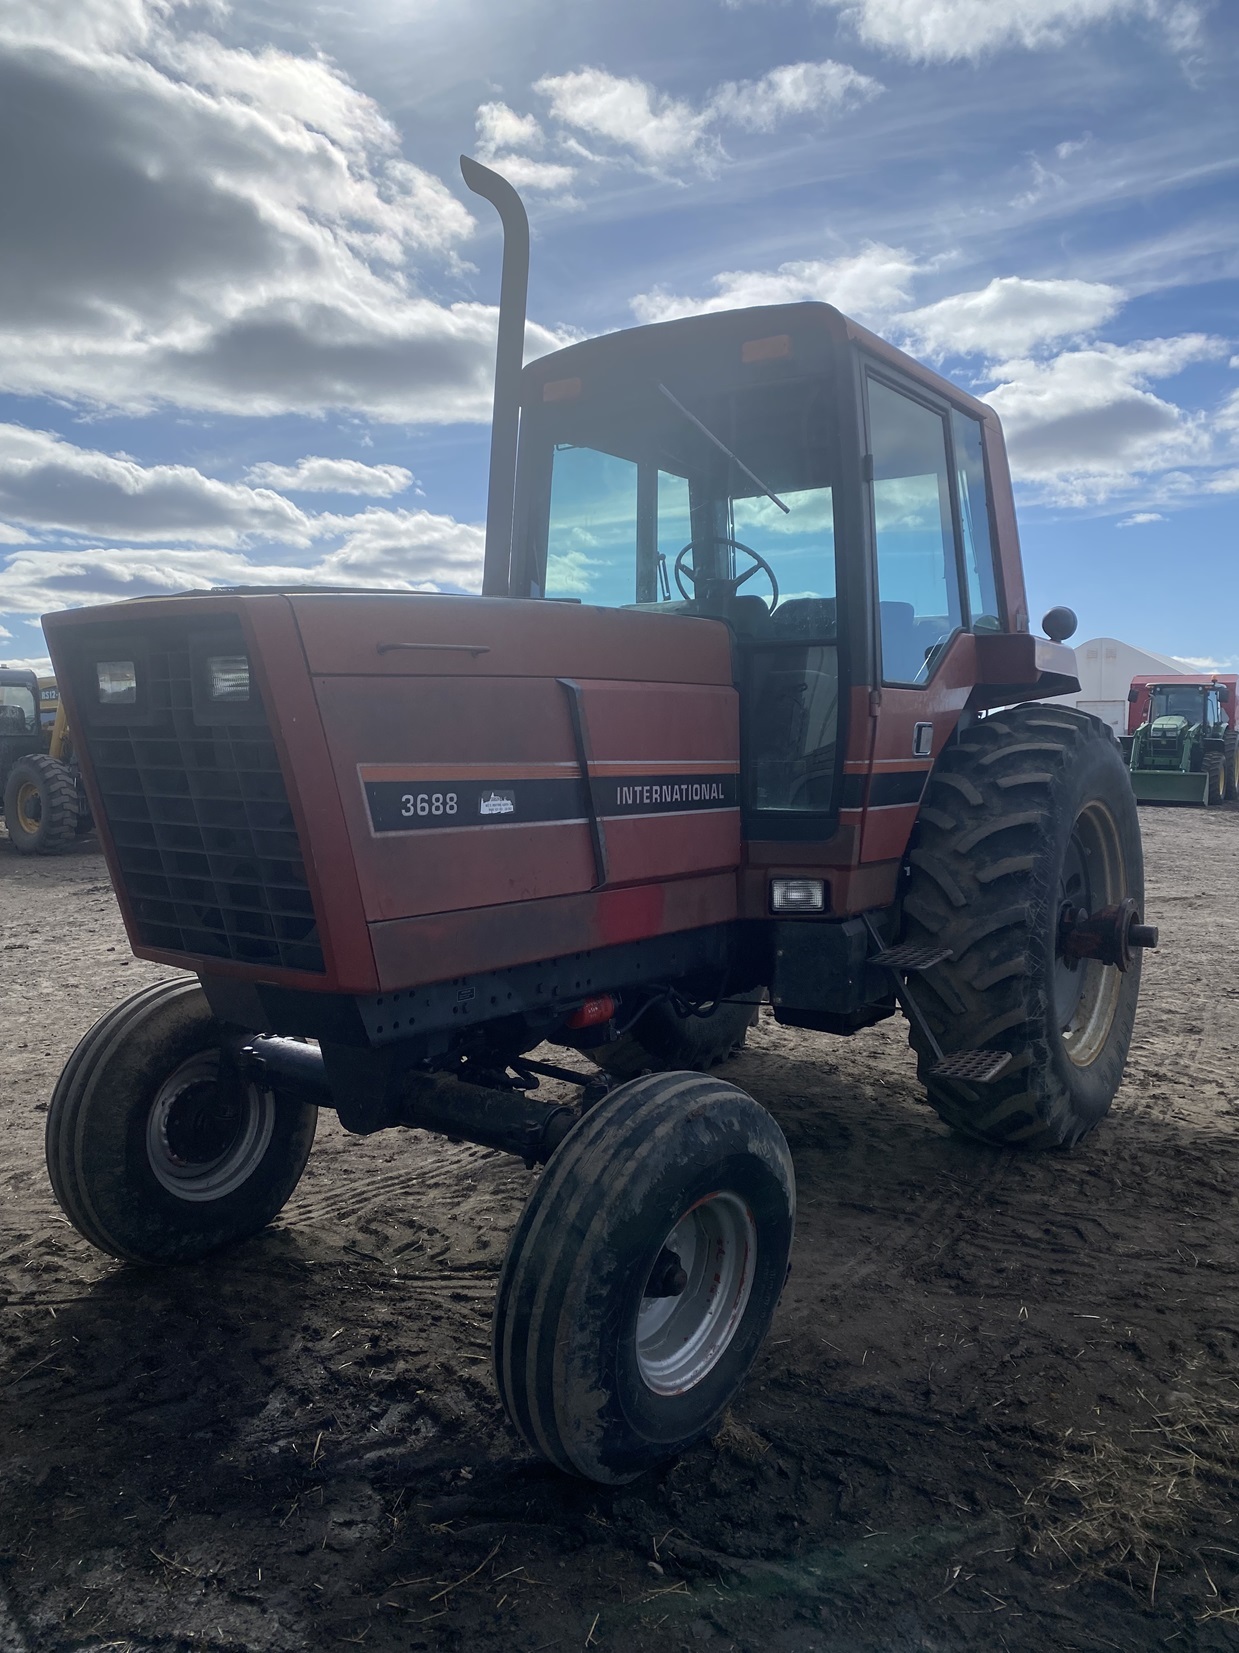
(637, 1126)
(92, 1053)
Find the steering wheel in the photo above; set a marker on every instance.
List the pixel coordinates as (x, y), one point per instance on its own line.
(694, 576)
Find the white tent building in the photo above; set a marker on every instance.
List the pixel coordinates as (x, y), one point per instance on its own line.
(1105, 667)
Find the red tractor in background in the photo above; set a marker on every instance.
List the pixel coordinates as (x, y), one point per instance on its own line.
(749, 706)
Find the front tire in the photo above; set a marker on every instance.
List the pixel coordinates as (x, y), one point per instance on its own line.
(149, 1158)
(40, 805)
(1215, 778)
(642, 1276)
(1029, 811)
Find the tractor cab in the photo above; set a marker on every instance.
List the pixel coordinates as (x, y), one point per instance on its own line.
(842, 510)
(19, 718)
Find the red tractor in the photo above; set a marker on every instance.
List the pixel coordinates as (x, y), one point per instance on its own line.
(749, 706)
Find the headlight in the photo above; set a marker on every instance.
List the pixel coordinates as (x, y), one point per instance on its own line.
(228, 677)
(797, 895)
(118, 682)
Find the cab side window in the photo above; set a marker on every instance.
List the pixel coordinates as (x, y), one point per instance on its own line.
(914, 538)
(974, 523)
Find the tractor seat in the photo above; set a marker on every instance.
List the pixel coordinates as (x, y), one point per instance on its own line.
(804, 619)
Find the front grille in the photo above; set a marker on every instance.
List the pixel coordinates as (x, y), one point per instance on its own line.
(204, 834)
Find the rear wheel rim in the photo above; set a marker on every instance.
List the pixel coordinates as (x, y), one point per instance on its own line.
(680, 1339)
(201, 1143)
(1086, 993)
(29, 807)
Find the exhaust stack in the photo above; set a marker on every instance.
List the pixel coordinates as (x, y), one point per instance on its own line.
(509, 356)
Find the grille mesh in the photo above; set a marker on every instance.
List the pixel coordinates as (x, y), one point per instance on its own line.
(204, 833)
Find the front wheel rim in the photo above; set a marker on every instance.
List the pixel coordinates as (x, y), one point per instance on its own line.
(202, 1144)
(680, 1339)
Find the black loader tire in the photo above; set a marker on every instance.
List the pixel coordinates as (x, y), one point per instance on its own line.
(117, 1119)
(1215, 778)
(1230, 765)
(601, 1367)
(660, 1041)
(1026, 810)
(40, 805)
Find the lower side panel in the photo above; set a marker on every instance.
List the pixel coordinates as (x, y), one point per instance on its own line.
(413, 951)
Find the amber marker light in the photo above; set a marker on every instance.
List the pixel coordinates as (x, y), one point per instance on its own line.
(766, 350)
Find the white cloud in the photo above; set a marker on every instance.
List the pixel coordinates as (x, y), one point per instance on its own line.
(1010, 317)
(223, 230)
(1138, 518)
(48, 483)
(946, 30)
(503, 135)
(870, 285)
(500, 128)
(316, 475)
(393, 550)
(1084, 424)
(665, 134)
(661, 131)
(794, 89)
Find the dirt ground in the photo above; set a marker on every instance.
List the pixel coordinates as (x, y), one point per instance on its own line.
(999, 1408)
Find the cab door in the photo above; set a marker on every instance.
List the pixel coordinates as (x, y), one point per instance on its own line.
(934, 586)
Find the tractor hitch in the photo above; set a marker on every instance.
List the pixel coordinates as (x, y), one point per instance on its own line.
(1108, 936)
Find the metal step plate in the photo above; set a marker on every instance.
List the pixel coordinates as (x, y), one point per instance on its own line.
(910, 956)
(977, 1067)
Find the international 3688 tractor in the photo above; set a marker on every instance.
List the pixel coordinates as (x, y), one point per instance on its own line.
(749, 705)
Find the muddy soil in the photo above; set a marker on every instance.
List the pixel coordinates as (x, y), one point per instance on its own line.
(999, 1407)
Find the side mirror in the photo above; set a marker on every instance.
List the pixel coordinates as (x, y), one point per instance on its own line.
(1059, 624)
(1133, 695)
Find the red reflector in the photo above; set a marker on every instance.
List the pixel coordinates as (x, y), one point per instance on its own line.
(592, 1012)
(766, 350)
(561, 390)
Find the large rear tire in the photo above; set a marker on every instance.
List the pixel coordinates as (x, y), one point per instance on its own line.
(1028, 811)
(661, 1041)
(40, 805)
(642, 1276)
(150, 1158)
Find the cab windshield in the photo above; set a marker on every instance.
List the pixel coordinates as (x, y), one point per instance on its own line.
(17, 710)
(1185, 701)
(641, 507)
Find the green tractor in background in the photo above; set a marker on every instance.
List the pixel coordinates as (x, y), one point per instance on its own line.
(1182, 744)
(45, 808)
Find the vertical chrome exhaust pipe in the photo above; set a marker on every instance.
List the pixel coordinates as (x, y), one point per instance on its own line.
(509, 355)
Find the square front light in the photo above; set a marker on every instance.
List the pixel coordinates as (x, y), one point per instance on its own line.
(228, 677)
(797, 895)
(117, 682)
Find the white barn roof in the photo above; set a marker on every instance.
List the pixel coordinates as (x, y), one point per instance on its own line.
(1105, 667)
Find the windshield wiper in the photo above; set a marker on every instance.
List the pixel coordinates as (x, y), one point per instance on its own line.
(723, 448)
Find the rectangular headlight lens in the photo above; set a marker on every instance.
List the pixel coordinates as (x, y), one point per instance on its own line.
(228, 676)
(118, 682)
(797, 895)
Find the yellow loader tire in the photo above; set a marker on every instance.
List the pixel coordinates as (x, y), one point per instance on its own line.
(40, 806)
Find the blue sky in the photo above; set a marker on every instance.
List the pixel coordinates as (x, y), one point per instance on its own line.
(246, 304)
